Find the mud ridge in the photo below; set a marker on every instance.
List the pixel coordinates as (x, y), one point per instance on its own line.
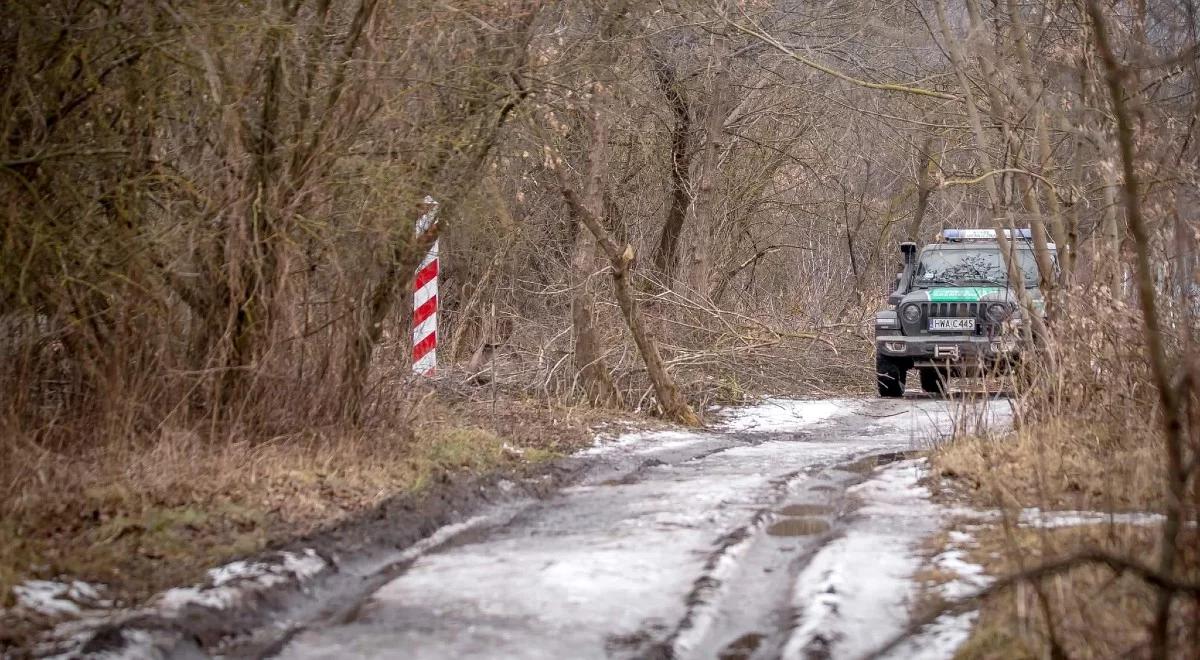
(705, 594)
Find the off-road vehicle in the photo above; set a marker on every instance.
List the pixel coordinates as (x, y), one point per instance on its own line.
(952, 311)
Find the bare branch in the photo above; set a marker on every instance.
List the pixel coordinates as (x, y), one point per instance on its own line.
(758, 33)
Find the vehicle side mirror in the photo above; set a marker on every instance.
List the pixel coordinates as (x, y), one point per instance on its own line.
(895, 284)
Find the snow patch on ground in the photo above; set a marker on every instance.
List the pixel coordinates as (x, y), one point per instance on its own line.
(52, 598)
(229, 584)
(856, 594)
(941, 639)
(971, 577)
(83, 611)
(785, 415)
(649, 439)
(937, 641)
(1034, 517)
(960, 538)
(852, 598)
(768, 416)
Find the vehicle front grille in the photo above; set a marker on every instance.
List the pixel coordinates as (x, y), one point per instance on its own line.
(948, 310)
(959, 310)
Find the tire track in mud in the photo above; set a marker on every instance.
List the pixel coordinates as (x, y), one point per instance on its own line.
(765, 544)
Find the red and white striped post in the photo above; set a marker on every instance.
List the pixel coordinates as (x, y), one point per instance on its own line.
(425, 300)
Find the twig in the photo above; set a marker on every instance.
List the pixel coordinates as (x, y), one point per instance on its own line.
(1115, 563)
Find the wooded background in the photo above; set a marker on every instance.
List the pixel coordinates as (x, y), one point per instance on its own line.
(209, 208)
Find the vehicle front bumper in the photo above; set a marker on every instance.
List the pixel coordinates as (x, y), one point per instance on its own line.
(940, 350)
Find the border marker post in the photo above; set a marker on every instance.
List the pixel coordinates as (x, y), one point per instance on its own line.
(425, 299)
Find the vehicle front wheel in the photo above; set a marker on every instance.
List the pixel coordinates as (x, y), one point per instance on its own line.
(933, 380)
(890, 376)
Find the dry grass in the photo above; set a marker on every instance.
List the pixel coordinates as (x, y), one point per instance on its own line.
(1065, 464)
(147, 513)
(1096, 614)
(1058, 463)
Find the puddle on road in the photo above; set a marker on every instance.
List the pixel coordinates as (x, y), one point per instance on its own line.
(626, 480)
(868, 464)
(798, 527)
(636, 475)
(806, 510)
(743, 647)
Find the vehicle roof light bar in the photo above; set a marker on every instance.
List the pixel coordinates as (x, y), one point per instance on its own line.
(957, 235)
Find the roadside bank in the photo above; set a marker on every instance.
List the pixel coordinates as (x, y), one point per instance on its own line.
(113, 527)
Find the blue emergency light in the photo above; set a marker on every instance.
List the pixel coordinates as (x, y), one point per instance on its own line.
(956, 235)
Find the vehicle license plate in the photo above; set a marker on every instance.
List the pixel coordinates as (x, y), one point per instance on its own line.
(952, 324)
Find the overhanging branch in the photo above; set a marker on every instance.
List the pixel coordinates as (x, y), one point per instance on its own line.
(762, 35)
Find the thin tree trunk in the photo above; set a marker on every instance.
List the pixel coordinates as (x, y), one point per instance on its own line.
(1046, 162)
(672, 401)
(1058, 225)
(254, 250)
(674, 405)
(1169, 400)
(1040, 239)
(590, 367)
(1111, 254)
(592, 371)
(925, 187)
(704, 205)
(1015, 276)
(666, 256)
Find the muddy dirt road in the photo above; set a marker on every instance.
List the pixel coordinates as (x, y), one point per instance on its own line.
(772, 535)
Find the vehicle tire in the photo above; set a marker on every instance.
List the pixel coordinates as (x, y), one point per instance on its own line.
(890, 376)
(933, 380)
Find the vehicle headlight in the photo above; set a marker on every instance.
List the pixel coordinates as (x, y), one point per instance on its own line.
(997, 312)
(912, 313)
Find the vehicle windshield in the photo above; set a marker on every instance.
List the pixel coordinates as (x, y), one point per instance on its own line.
(982, 265)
